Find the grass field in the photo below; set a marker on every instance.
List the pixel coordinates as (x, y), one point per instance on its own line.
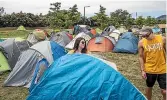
(127, 64)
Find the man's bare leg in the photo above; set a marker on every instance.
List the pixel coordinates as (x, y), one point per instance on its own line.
(149, 93)
(163, 93)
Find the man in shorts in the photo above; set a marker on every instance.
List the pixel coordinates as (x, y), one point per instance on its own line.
(152, 51)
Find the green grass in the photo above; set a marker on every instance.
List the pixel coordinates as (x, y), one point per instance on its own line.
(11, 93)
(127, 64)
(15, 33)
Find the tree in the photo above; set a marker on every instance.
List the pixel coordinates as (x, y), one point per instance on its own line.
(56, 6)
(119, 17)
(150, 21)
(101, 18)
(74, 15)
(140, 21)
(2, 10)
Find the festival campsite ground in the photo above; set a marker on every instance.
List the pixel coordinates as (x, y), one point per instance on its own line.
(127, 64)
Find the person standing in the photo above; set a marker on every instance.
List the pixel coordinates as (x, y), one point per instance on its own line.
(152, 51)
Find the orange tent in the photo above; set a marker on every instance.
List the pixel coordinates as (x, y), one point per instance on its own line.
(101, 44)
(93, 31)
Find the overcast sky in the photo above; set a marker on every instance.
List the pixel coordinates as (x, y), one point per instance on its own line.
(145, 8)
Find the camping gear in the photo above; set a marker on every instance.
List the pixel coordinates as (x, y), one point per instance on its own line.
(37, 35)
(128, 43)
(122, 29)
(115, 34)
(83, 35)
(22, 73)
(82, 77)
(98, 30)
(12, 50)
(4, 66)
(93, 31)
(62, 38)
(108, 30)
(21, 28)
(156, 29)
(101, 44)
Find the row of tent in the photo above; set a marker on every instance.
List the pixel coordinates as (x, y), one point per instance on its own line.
(19, 54)
(45, 66)
(11, 49)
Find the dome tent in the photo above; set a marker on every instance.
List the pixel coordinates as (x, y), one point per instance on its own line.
(37, 35)
(21, 28)
(88, 79)
(128, 43)
(12, 49)
(101, 44)
(62, 38)
(22, 74)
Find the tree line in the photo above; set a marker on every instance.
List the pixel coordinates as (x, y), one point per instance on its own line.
(58, 18)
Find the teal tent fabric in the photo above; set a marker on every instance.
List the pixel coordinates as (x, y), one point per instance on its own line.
(82, 77)
(128, 43)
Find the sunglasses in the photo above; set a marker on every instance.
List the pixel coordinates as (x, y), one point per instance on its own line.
(83, 42)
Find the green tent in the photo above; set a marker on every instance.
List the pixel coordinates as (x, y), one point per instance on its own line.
(4, 66)
(21, 28)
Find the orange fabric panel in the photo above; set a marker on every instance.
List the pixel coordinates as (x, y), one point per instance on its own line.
(93, 31)
(105, 46)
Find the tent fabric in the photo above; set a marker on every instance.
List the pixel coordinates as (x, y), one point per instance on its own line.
(84, 28)
(61, 38)
(108, 30)
(156, 30)
(44, 48)
(23, 71)
(41, 67)
(93, 31)
(98, 30)
(99, 40)
(57, 50)
(111, 39)
(21, 28)
(4, 66)
(128, 43)
(104, 45)
(111, 64)
(31, 38)
(115, 34)
(39, 34)
(13, 49)
(71, 44)
(122, 29)
(82, 77)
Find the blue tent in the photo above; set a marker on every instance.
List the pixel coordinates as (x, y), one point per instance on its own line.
(82, 77)
(156, 29)
(128, 43)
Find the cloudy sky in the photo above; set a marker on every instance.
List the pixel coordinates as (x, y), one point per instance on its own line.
(145, 8)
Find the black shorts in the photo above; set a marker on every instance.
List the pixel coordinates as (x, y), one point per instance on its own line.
(151, 79)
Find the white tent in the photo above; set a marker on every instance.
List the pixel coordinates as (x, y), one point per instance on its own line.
(115, 34)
